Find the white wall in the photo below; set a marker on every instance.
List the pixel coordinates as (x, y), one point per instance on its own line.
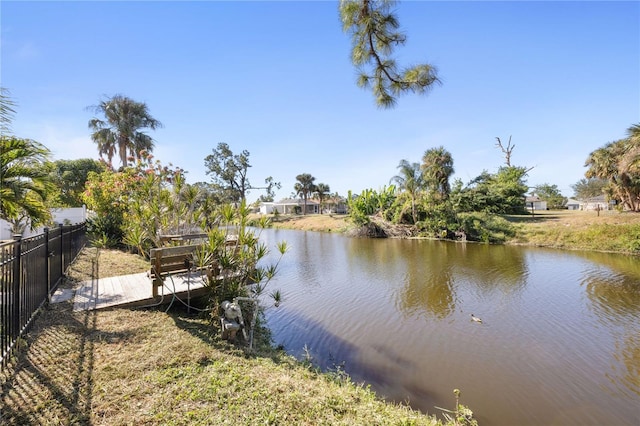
(266, 208)
(73, 215)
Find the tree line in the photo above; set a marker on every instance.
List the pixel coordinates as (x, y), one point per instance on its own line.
(421, 194)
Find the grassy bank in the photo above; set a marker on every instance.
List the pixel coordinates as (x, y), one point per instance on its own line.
(149, 367)
(610, 231)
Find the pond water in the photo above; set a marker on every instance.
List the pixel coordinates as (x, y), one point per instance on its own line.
(559, 342)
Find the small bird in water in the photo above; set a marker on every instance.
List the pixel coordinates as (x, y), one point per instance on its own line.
(476, 319)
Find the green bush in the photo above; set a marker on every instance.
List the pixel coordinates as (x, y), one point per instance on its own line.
(106, 229)
(485, 227)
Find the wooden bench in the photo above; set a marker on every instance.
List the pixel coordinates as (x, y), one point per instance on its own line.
(166, 260)
(178, 259)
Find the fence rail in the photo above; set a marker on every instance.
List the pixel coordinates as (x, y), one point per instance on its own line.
(30, 271)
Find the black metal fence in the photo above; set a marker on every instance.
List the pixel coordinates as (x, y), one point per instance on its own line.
(30, 270)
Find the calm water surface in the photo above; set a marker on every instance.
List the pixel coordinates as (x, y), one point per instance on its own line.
(559, 342)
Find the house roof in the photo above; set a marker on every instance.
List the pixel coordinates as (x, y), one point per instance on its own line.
(294, 201)
(597, 199)
(532, 199)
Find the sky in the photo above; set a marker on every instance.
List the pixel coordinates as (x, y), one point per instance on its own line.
(561, 79)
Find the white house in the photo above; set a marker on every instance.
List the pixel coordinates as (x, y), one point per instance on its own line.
(596, 203)
(266, 207)
(573, 204)
(296, 206)
(534, 203)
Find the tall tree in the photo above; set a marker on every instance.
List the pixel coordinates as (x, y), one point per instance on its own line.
(501, 193)
(24, 182)
(228, 173)
(270, 187)
(374, 31)
(322, 191)
(506, 150)
(551, 194)
(630, 161)
(122, 130)
(304, 187)
(6, 111)
(409, 179)
(588, 188)
(437, 168)
(69, 177)
(618, 163)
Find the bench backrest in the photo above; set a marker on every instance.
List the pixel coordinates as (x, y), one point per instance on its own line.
(166, 260)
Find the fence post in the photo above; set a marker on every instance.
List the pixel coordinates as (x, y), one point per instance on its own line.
(61, 250)
(17, 279)
(46, 262)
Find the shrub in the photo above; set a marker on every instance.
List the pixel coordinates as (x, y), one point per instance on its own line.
(106, 229)
(485, 227)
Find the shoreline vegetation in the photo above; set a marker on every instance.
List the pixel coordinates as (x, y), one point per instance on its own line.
(604, 231)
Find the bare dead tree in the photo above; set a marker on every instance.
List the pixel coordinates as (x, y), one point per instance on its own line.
(506, 151)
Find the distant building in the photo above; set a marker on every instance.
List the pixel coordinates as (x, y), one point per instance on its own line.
(535, 203)
(596, 203)
(296, 206)
(573, 204)
(290, 206)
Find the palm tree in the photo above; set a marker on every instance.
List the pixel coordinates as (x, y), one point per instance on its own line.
(617, 163)
(409, 179)
(322, 190)
(437, 168)
(122, 128)
(630, 161)
(24, 182)
(6, 110)
(304, 187)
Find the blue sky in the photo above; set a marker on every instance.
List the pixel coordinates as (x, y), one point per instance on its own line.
(275, 78)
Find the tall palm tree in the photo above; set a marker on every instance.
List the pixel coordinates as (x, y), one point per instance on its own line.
(617, 163)
(24, 182)
(322, 190)
(409, 179)
(6, 110)
(437, 168)
(121, 130)
(304, 187)
(630, 161)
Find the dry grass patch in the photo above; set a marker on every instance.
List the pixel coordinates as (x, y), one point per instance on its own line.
(583, 230)
(111, 263)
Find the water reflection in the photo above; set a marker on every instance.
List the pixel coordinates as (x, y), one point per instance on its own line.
(431, 270)
(612, 287)
(492, 268)
(560, 342)
(612, 295)
(628, 353)
(428, 282)
(322, 347)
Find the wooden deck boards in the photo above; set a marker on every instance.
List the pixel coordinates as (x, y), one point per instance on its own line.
(135, 290)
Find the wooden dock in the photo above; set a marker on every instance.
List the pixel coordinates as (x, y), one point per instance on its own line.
(133, 290)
